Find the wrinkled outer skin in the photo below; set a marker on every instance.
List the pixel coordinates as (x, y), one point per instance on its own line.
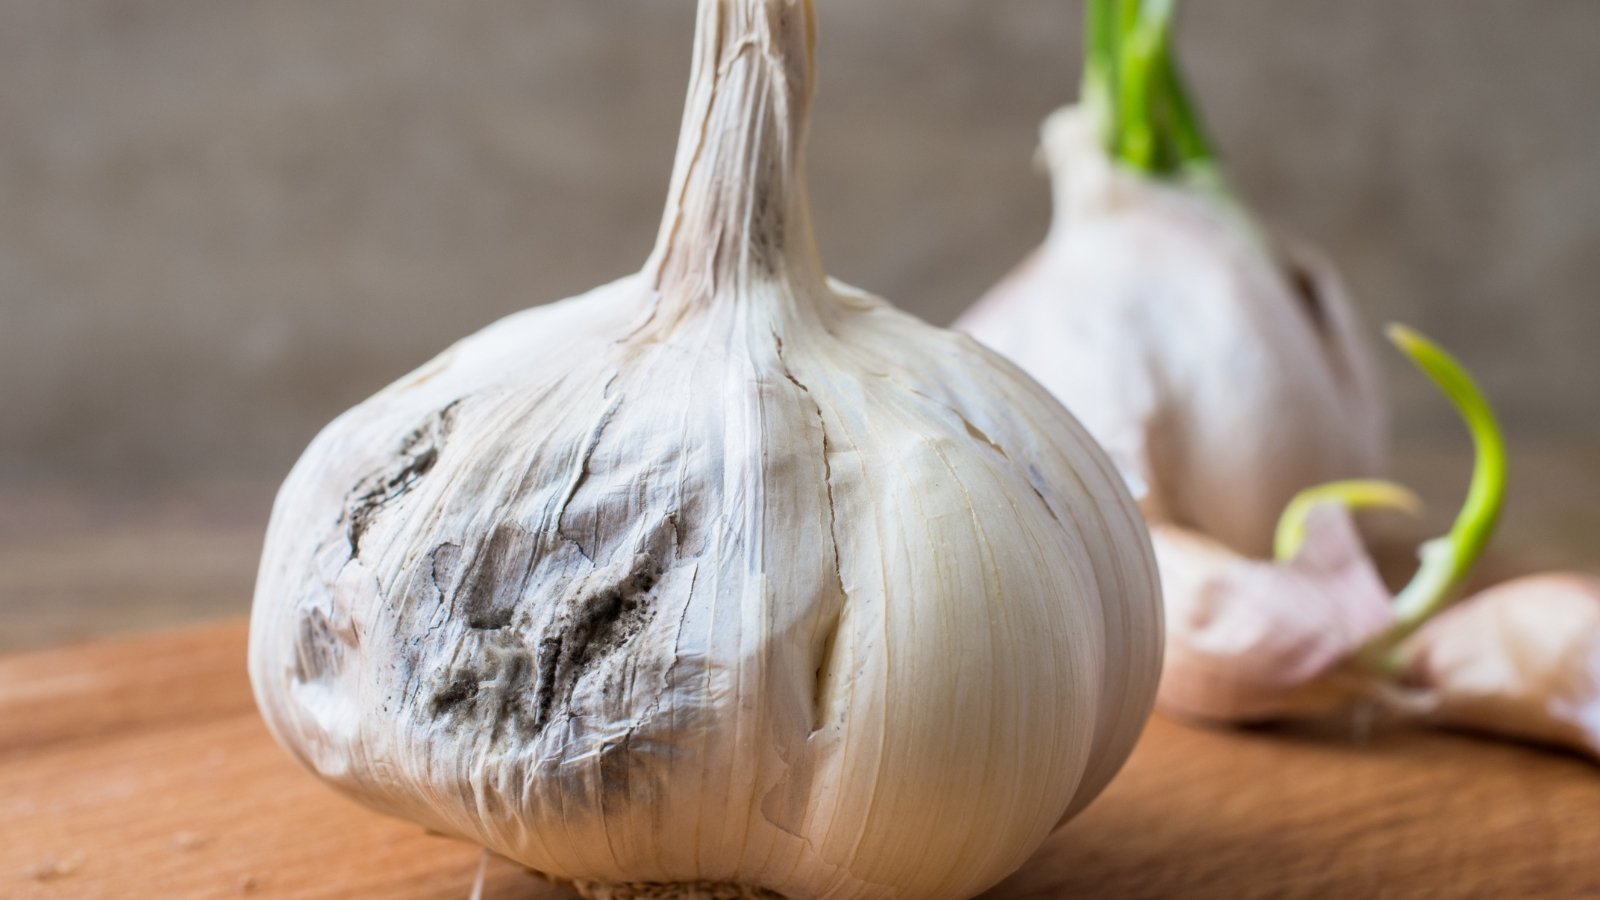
(718, 574)
(1521, 660)
(1158, 314)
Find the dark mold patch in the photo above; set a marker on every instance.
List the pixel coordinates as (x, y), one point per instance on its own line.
(512, 683)
(460, 691)
(318, 653)
(499, 577)
(589, 627)
(492, 700)
(417, 455)
(526, 664)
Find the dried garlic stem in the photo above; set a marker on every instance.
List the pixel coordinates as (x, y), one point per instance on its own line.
(738, 205)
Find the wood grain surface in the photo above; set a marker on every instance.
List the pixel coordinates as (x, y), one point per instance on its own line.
(138, 768)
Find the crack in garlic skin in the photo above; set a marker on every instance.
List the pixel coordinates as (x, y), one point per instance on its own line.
(1221, 383)
(720, 574)
(1520, 660)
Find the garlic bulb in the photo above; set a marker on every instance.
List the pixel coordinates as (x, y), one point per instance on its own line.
(1253, 640)
(1222, 369)
(723, 579)
(1521, 660)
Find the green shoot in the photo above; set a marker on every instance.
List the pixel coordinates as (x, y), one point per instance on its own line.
(1142, 44)
(1291, 534)
(1132, 83)
(1447, 561)
(1100, 64)
(1191, 143)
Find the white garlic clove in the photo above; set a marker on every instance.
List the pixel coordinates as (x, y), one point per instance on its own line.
(1520, 660)
(1252, 640)
(722, 577)
(1223, 372)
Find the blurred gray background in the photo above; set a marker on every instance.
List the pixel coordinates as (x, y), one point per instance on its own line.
(223, 222)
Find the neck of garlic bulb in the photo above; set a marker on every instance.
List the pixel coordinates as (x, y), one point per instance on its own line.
(737, 211)
(1137, 127)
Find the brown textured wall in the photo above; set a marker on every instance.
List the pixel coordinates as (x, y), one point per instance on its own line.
(221, 222)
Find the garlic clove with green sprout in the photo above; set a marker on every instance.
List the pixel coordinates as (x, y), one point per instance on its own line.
(1223, 369)
(1253, 640)
(1314, 630)
(722, 579)
(1521, 660)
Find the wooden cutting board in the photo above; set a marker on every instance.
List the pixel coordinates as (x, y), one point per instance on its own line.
(138, 768)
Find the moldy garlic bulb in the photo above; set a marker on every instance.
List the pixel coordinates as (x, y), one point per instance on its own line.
(1224, 370)
(720, 580)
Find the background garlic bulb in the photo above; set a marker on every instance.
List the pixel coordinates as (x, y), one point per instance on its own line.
(720, 577)
(1314, 631)
(1224, 370)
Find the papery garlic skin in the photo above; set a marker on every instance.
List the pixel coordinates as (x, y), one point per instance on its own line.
(1520, 660)
(1251, 640)
(1162, 317)
(721, 574)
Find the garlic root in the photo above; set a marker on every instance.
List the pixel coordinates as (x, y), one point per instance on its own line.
(672, 892)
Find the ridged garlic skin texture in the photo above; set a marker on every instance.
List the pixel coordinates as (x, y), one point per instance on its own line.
(1156, 312)
(1521, 659)
(722, 574)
